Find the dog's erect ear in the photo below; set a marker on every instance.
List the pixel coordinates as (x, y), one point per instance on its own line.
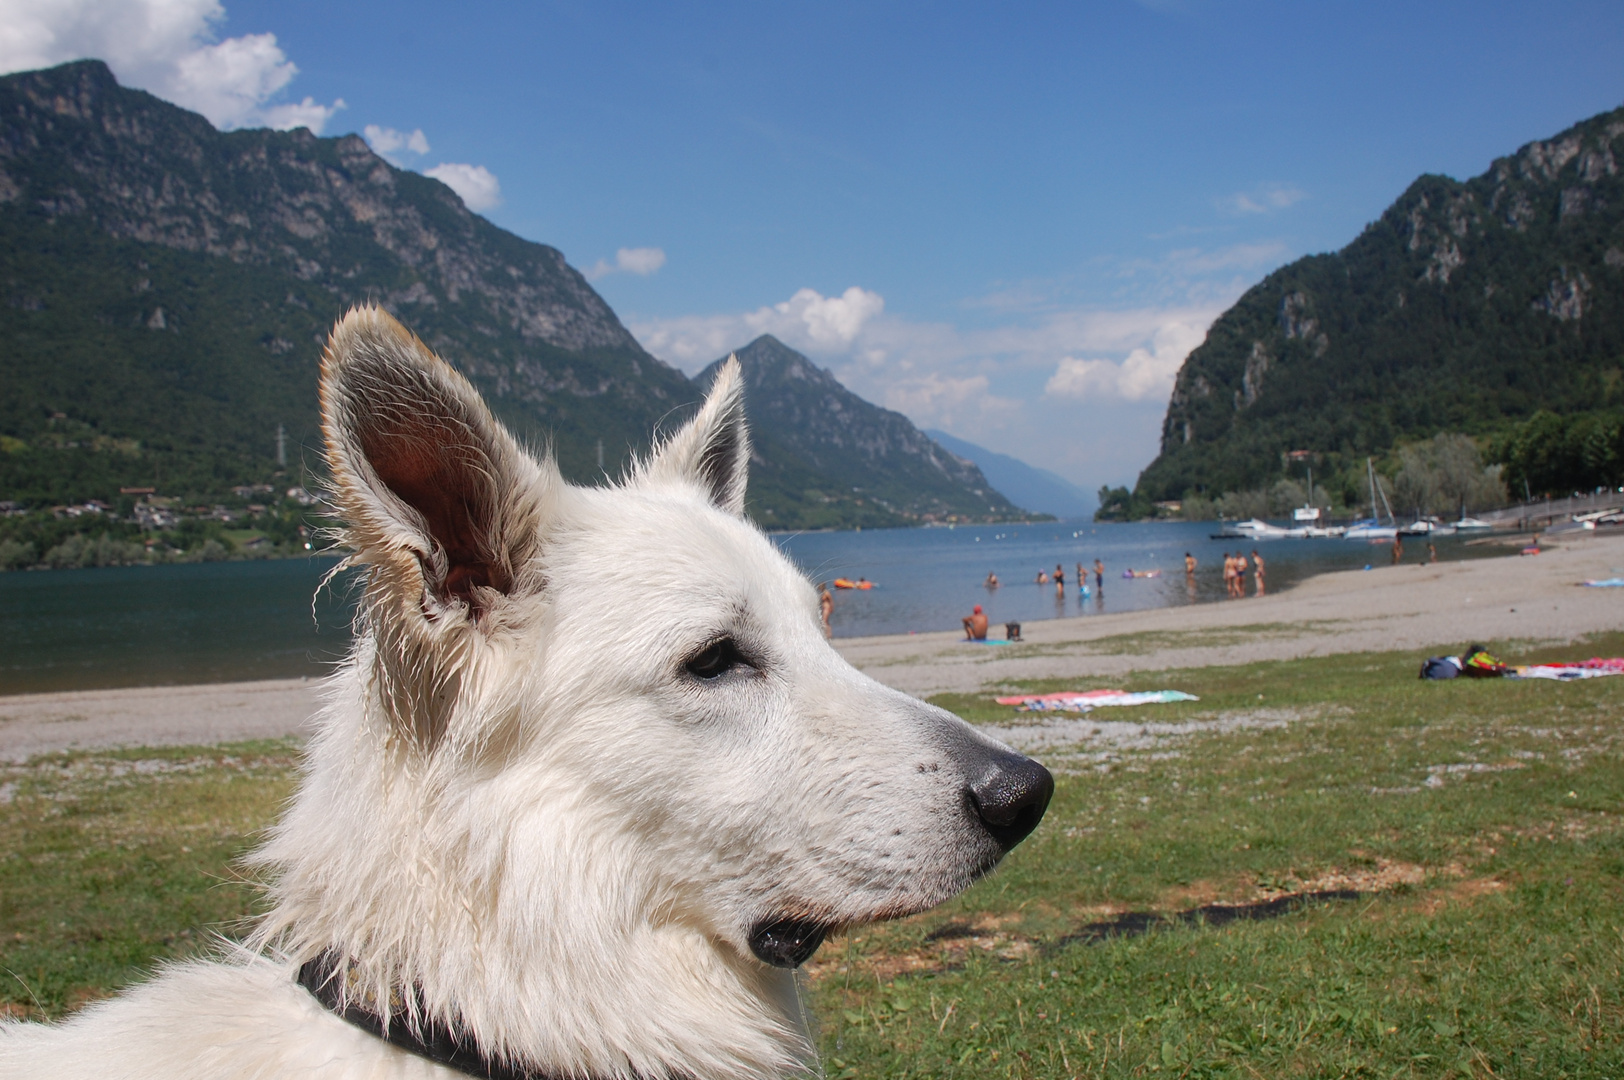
(427, 481)
(713, 449)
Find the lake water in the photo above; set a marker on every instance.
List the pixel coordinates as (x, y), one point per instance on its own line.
(207, 622)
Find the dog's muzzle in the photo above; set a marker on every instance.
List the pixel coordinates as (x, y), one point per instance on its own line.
(787, 943)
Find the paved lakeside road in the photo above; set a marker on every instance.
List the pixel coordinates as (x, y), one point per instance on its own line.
(1424, 608)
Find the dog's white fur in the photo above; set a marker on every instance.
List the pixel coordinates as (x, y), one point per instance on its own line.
(521, 803)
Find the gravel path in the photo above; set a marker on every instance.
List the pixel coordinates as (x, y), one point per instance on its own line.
(1414, 607)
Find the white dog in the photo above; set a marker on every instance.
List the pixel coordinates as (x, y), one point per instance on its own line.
(590, 786)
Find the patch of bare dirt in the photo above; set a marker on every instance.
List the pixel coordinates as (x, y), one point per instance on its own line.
(1210, 902)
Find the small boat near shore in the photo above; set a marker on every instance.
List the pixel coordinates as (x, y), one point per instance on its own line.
(1252, 529)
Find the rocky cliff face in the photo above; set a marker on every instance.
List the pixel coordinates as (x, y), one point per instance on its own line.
(1465, 306)
(866, 455)
(172, 285)
(330, 211)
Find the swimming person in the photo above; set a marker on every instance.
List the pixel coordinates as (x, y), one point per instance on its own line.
(992, 579)
(1043, 576)
(975, 626)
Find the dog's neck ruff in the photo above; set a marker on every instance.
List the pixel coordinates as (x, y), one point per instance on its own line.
(329, 976)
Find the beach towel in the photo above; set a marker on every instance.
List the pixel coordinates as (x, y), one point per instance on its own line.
(1594, 668)
(1085, 700)
(1605, 583)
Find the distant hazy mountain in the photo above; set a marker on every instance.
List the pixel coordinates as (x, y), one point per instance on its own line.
(1027, 486)
(826, 456)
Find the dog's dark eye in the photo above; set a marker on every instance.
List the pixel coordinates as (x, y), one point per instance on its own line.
(716, 659)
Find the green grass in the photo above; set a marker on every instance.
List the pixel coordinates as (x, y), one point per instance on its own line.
(1487, 940)
(110, 862)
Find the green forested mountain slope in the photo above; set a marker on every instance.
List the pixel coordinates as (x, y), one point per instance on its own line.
(1466, 307)
(823, 453)
(166, 288)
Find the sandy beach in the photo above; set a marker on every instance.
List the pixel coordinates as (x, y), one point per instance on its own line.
(1417, 607)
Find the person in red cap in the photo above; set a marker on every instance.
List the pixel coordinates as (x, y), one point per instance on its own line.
(975, 626)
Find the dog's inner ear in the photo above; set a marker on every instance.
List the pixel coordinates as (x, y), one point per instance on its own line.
(713, 449)
(436, 468)
(426, 477)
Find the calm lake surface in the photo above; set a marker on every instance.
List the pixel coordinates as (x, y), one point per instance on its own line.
(209, 622)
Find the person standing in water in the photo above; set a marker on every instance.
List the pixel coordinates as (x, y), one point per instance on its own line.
(1099, 576)
(1043, 576)
(1398, 550)
(992, 579)
(1059, 582)
(826, 606)
(1257, 572)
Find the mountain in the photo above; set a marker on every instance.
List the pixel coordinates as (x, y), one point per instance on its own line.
(166, 288)
(1466, 307)
(1024, 485)
(823, 454)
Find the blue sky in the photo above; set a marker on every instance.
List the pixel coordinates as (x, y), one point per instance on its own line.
(1010, 222)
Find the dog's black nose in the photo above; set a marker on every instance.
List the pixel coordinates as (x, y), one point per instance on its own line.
(1011, 796)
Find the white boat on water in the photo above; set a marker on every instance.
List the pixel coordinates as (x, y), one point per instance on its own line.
(1253, 529)
(1308, 527)
(1427, 526)
(1369, 529)
(1468, 523)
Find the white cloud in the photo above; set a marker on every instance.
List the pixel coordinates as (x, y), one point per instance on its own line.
(476, 184)
(1145, 374)
(934, 399)
(808, 320)
(1262, 200)
(641, 261)
(1079, 390)
(166, 47)
(387, 141)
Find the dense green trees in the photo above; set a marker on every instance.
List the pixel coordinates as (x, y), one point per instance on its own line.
(1551, 454)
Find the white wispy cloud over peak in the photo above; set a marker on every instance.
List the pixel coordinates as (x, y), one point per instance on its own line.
(808, 321)
(387, 141)
(476, 185)
(1145, 374)
(641, 261)
(1076, 389)
(167, 47)
(1263, 200)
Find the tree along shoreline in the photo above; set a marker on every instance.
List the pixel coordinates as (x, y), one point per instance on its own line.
(1546, 455)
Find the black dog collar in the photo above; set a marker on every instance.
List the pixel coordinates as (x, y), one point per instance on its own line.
(325, 977)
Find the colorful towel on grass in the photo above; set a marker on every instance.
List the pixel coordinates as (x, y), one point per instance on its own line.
(1605, 583)
(1084, 700)
(1594, 668)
